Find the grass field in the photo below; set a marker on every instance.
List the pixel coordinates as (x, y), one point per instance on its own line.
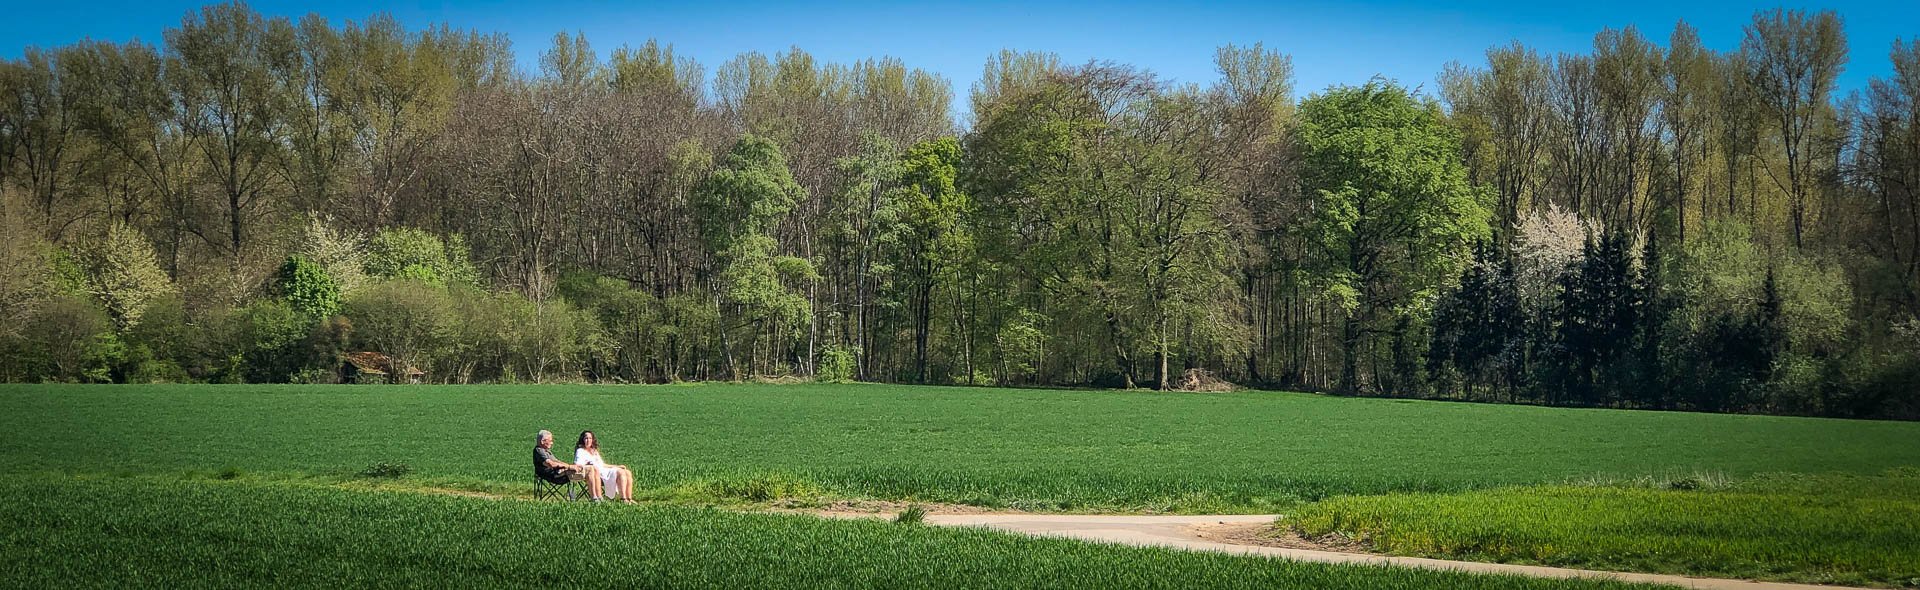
(66, 533)
(1027, 449)
(138, 473)
(1839, 529)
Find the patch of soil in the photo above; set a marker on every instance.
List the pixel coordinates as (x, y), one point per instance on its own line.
(464, 493)
(1272, 535)
(871, 508)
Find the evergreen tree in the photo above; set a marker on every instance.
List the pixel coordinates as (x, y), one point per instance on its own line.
(1650, 388)
(1769, 329)
(1508, 325)
(1599, 308)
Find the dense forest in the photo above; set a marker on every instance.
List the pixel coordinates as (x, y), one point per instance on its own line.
(1648, 225)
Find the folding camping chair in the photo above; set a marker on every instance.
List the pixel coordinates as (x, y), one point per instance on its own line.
(574, 489)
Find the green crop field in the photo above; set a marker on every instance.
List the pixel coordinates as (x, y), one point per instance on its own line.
(137, 472)
(80, 534)
(1010, 448)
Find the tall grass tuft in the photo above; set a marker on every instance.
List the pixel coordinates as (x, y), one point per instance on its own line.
(913, 515)
(385, 470)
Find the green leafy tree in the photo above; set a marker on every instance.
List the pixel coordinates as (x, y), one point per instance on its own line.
(935, 240)
(1753, 330)
(747, 195)
(1098, 188)
(859, 230)
(127, 107)
(550, 339)
(633, 323)
(306, 286)
(1394, 212)
(395, 91)
(739, 205)
(28, 282)
(1793, 61)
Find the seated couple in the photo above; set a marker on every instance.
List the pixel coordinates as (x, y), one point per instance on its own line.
(587, 465)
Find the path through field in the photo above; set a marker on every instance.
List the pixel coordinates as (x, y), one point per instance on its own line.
(1188, 532)
(1206, 533)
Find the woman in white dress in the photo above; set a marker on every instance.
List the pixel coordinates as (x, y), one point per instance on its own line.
(614, 478)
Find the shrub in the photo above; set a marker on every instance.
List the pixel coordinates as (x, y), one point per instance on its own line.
(70, 339)
(418, 255)
(836, 365)
(314, 375)
(340, 253)
(412, 322)
(385, 470)
(327, 347)
(272, 333)
(551, 338)
(122, 272)
(636, 332)
(158, 371)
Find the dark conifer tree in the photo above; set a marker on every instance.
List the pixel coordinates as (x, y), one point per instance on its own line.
(1652, 385)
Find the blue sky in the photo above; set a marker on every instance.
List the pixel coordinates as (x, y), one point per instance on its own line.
(1330, 43)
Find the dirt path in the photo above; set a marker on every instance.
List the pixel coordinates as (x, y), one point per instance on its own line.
(1193, 533)
(1232, 533)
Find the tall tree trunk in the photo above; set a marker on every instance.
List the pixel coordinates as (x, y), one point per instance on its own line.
(726, 344)
(963, 323)
(922, 320)
(1350, 356)
(233, 217)
(1123, 361)
(1161, 377)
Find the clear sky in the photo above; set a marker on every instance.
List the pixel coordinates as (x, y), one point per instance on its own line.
(1330, 43)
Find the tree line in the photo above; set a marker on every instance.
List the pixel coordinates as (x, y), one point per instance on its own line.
(1641, 226)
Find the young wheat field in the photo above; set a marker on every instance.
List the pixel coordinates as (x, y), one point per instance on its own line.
(248, 484)
(1049, 450)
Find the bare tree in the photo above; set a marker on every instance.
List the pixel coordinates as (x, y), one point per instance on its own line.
(222, 64)
(1794, 59)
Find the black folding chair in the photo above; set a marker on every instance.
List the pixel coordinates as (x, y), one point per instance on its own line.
(574, 489)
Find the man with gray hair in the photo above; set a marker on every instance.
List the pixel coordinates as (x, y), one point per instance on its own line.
(557, 472)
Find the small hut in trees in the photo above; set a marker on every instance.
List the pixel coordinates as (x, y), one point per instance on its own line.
(373, 367)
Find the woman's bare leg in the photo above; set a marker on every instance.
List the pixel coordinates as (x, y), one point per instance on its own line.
(593, 481)
(626, 483)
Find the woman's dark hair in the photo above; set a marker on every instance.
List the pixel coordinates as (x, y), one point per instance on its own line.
(582, 444)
